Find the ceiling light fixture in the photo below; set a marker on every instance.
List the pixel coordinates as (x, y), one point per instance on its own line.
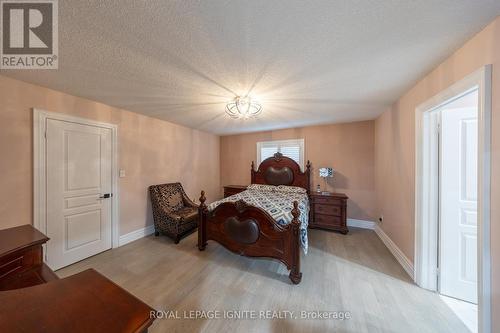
(243, 107)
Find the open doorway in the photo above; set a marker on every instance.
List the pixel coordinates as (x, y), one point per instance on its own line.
(452, 198)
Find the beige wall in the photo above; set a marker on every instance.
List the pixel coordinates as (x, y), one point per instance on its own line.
(151, 151)
(348, 148)
(395, 148)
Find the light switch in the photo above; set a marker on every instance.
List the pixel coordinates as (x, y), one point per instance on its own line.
(122, 173)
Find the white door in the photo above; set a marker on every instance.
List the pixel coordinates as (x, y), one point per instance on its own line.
(78, 164)
(458, 216)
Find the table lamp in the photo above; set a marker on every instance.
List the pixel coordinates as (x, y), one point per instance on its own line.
(325, 173)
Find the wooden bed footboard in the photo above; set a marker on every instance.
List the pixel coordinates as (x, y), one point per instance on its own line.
(252, 232)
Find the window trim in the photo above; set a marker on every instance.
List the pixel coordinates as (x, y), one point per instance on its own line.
(279, 143)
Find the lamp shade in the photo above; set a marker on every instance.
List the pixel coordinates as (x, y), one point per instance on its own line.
(326, 172)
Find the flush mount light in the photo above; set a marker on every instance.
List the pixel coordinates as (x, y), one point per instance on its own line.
(243, 107)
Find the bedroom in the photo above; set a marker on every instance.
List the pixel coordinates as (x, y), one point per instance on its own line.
(158, 92)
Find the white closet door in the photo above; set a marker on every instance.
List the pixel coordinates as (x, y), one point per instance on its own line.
(78, 175)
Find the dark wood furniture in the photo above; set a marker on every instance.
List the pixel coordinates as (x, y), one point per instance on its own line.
(230, 190)
(84, 302)
(328, 211)
(251, 231)
(21, 258)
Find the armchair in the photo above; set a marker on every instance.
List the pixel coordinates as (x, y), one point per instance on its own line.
(174, 214)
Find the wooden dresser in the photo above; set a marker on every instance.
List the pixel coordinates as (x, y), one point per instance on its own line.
(329, 211)
(21, 258)
(84, 302)
(230, 190)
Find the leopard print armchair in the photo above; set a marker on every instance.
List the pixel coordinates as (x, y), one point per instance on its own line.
(174, 214)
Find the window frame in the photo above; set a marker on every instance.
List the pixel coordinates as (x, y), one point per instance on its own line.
(280, 143)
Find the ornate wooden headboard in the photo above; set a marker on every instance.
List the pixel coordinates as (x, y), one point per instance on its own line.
(281, 170)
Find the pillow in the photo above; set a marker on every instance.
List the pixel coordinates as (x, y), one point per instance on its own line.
(262, 187)
(291, 189)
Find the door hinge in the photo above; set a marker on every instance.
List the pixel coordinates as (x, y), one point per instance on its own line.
(45, 135)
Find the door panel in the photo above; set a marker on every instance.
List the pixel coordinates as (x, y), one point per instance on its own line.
(468, 246)
(458, 184)
(78, 173)
(82, 229)
(82, 160)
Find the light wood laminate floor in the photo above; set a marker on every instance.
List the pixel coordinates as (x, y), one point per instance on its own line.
(354, 273)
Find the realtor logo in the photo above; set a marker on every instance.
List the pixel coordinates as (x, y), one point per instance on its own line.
(29, 34)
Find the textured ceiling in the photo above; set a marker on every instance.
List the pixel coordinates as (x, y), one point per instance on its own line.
(307, 62)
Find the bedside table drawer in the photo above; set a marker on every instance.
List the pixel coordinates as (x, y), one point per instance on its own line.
(230, 190)
(328, 210)
(327, 221)
(326, 200)
(228, 193)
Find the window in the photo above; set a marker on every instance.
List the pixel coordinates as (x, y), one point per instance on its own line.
(289, 148)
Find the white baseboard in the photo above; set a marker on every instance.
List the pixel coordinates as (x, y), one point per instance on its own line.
(361, 224)
(136, 234)
(396, 252)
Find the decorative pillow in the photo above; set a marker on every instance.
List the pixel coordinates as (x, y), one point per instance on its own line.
(262, 187)
(291, 189)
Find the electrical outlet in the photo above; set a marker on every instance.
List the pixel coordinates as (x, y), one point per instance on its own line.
(122, 173)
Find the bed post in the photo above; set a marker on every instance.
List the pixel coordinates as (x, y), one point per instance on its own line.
(202, 220)
(295, 274)
(308, 173)
(252, 174)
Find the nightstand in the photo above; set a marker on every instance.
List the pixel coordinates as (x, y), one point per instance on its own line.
(328, 211)
(21, 258)
(233, 189)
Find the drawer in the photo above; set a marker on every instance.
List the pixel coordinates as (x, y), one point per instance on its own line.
(20, 261)
(11, 267)
(230, 193)
(325, 220)
(327, 200)
(230, 190)
(328, 210)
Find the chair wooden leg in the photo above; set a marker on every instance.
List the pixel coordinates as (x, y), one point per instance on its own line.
(177, 239)
(157, 233)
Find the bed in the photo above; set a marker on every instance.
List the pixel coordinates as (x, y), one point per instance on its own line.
(244, 223)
